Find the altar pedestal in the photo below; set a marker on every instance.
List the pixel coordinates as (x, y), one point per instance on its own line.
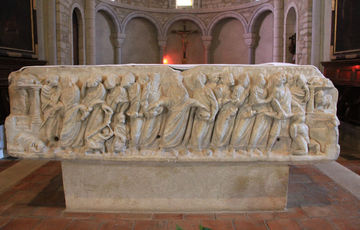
(174, 187)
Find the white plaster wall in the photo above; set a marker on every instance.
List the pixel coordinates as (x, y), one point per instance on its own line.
(264, 50)
(228, 44)
(195, 49)
(104, 46)
(140, 45)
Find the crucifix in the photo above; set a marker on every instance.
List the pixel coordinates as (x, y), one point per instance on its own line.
(184, 33)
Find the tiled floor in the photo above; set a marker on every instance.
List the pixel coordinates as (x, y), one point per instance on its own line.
(314, 202)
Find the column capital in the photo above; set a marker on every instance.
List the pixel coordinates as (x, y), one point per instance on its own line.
(162, 43)
(118, 39)
(206, 41)
(251, 39)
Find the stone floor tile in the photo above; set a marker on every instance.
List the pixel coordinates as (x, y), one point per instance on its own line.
(53, 224)
(316, 224)
(118, 225)
(19, 210)
(247, 224)
(346, 223)
(84, 225)
(4, 221)
(199, 216)
(217, 224)
(105, 216)
(150, 225)
(184, 224)
(292, 213)
(48, 211)
(231, 216)
(135, 216)
(261, 215)
(168, 216)
(316, 211)
(283, 224)
(21, 223)
(77, 215)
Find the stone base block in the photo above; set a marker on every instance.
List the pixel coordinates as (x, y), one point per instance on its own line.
(174, 187)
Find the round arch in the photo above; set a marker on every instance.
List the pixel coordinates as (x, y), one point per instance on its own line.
(257, 14)
(291, 9)
(77, 10)
(188, 17)
(225, 15)
(111, 14)
(133, 15)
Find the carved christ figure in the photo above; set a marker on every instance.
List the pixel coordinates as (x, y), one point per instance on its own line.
(204, 117)
(51, 107)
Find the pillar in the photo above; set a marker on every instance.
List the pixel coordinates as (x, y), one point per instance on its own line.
(118, 40)
(278, 30)
(251, 40)
(90, 32)
(162, 47)
(206, 43)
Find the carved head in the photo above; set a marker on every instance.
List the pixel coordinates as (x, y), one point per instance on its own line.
(110, 81)
(93, 81)
(213, 78)
(155, 80)
(261, 80)
(200, 80)
(300, 80)
(227, 79)
(127, 80)
(52, 81)
(245, 82)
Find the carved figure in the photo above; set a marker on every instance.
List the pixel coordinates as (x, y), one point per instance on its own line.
(280, 101)
(74, 113)
(29, 143)
(300, 91)
(299, 133)
(204, 117)
(227, 111)
(245, 117)
(93, 97)
(322, 101)
(153, 118)
(136, 117)
(51, 107)
(260, 104)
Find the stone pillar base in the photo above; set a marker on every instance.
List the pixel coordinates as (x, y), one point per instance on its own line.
(174, 187)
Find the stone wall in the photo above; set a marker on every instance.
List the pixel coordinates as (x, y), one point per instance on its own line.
(249, 14)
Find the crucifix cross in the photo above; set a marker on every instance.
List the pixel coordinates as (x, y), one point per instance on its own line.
(184, 33)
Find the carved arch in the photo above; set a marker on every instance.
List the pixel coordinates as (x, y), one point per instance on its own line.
(81, 23)
(133, 15)
(111, 14)
(257, 14)
(224, 15)
(189, 17)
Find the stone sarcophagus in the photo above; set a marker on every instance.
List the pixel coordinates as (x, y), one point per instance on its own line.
(153, 138)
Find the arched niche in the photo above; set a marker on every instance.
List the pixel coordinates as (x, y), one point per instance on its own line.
(264, 27)
(227, 45)
(141, 43)
(176, 42)
(290, 36)
(105, 32)
(77, 37)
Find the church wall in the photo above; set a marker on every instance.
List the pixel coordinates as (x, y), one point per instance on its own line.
(228, 44)
(264, 50)
(140, 44)
(205, 18)
(104, 47)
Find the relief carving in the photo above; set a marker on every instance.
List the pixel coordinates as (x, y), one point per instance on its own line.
(231, 113)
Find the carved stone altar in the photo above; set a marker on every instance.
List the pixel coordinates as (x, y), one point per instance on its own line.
(113, 126)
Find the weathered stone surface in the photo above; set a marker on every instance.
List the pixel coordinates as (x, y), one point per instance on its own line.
(174, 187)
(152, 112)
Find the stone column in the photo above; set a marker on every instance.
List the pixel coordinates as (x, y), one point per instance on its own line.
(278, 30)
(34, 109)
(162, 47)
(206, 43)
(117, 41)
(251, 40)
(90, 32)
